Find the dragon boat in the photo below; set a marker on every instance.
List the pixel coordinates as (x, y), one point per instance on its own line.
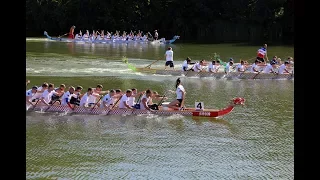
(217, 75)
(163, 110)
(104, 41)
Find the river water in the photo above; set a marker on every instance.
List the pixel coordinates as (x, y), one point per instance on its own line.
(254, 141)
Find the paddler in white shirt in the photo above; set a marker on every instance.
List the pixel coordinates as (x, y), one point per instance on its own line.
(212, 67)
(133, 96)
(47, 95)
(65, 100)
(241, 67)
(227, 68)
(96, 93)
(283, 69)
(254, 67)
(123, 103)
(39, 92)
(29, 93)
(270, 67)
(198, 66)
(146, 100)
(186, 63)
(109, 99)
(84, 102)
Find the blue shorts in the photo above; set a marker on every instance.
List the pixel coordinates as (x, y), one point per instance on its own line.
(180, 101)
(169, 63)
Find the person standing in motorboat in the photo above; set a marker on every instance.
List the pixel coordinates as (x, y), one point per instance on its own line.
(71, 32)
(156, 35)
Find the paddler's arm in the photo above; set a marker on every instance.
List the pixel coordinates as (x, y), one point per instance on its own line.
(126, 105)
(28, 100)
(42, 100)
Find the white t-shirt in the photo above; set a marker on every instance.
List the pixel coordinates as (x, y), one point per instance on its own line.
(141, 103)
(178, 91)
(227, 68)
(282, 69)
(85, 99)
(131, 100)
(92, 99)
(268, 68)
(37, 95)
(211, 68)
(169, 55)
(185, 64)
(240, 68)
(197, 67)
(217, 66)
(106, 98)
(29, 93)
(123, 99)
(253, 68)
(65, 98)
(47, 95)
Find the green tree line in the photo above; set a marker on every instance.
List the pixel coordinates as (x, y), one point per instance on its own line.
(205, 21)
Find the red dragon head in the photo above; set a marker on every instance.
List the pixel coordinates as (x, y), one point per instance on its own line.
(238, 101)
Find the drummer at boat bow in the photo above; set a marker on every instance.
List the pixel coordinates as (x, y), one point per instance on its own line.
(169, 58)
(124, 101)
(261, 53)
(178, 103)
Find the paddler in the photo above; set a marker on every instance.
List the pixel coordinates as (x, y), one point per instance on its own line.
(71, 32)
(186, 63)
(123, 103)
(146, 101)
(29, 93)
(262, 53)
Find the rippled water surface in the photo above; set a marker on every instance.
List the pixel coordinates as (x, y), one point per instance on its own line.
(254, 141)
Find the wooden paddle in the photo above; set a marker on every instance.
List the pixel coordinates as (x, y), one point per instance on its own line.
(257, 74)
(114, 105)
(161, 101)
(96, 103)
(50, 105)
(200, 71)
(34, 106)
(149, 66)
(63, 35)
(190, 69)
